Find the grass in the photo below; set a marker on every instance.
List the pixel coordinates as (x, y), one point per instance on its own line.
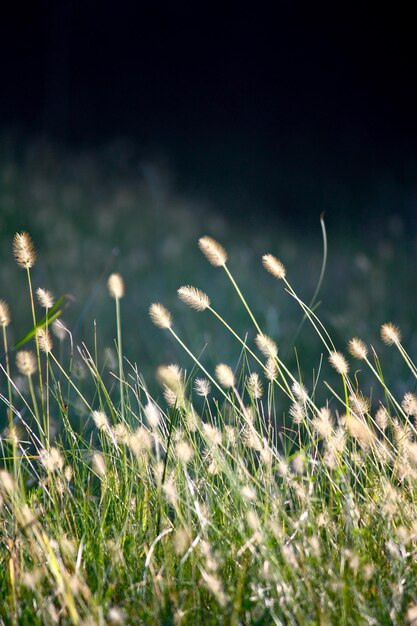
(240, 493)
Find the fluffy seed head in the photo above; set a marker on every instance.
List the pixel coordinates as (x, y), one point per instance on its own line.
(4, 313)
(213, 251)
(52, 459)
(357, 348)
(26, 362)
(44, 339)
(273, 266)
(409, 404)
(45, 298)
(100, 420)
(390, 334)
(116, 286)
(153, 414)
(225, 375)
(360, 431)
(382, 418)
(171, 376)
(271, 370)
(160, 316)
(338, 361)
(267, 346)
(24, 250)
(202, 387)
(193, 297)
(254, 385)
(184, 452)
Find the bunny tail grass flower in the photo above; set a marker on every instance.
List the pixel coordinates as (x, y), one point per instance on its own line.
(267, 346)
(116, 286)
(357, 348)
(4, 314)
(390, 334)
(44, 340)
(338, 361)
(24, 250)
(273, 266)
(193, 297)
(225, 375)
(45, 298)
(26, 363)
(213, 251)
(160, 316)
(202, 387)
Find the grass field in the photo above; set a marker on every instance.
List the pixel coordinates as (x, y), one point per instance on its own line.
(192, 456)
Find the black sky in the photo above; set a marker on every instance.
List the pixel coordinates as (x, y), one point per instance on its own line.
(324, 89)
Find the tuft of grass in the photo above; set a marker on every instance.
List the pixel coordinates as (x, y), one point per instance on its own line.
(235, 495)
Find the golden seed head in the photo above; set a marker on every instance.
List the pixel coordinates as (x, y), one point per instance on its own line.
(52, 459)
(338, 361)
(44, 340)
(193, 297)
(382, 418)
(100, 420)
(45, 298)
(184, 452)
(390, 334)
(202, 387)
(116, 286)
(271, 370)
(26, 362)
(254, 385)
(160, 316)
(225, 375)
(171, 376)
(273, 266)
(213, 251)
(409, 404)
(357, 348)
(267, 346)
(24, 250)
(4, 313)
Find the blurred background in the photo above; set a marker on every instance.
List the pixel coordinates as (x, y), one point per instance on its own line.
(130, 129)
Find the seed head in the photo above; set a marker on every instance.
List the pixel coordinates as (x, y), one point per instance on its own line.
(338, 361)
(45, 298)
(202, 387)
(184, 452)
(254, 385)
(390, 334)
(24, 250)
(100, 420)
(160, 316)
(273, 266)
(357, 348)
(116, 286)
(194, 298)
(267, 346)
(153, 414)
(409, 404)
(225, 375)
(52, 459)
(271, 370)
(26, 362)
(213, 251)
(382, 418)
(44, 340)
(4, 313)
(171, 376)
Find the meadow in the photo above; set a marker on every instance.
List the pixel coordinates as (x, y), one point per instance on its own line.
(200, 428)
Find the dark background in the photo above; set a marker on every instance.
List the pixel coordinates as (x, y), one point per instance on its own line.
(288, 110)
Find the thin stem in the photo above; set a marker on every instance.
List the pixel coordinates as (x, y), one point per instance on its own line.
(119, 349)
